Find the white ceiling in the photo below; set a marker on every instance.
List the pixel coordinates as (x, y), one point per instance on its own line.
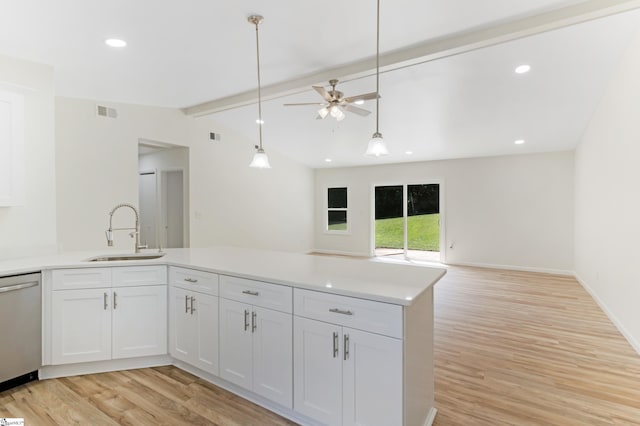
(185, 53)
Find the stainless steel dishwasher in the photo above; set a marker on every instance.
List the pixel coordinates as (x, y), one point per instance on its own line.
(20, 329)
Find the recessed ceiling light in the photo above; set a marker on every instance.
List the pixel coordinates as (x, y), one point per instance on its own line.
(519, 142)
(258, 121)
(115, 42)
(359, 102)
(409, 152)
(328, 160)
(522, 69)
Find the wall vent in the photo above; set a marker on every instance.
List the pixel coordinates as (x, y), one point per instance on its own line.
(215, 136)
(104, 111)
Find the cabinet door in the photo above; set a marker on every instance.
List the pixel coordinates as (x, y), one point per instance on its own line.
(273, 355)
(372, 378)
(205, 315)
(182, 333)
(317, 370)
(235, 343)
(81, 325)
(139, 321)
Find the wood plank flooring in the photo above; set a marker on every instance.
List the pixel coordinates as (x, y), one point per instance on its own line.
(150, 396)
(518, 348)
(511, 348)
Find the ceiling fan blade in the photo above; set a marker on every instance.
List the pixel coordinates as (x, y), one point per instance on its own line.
(360, 111)
(307, 103)
(323, 92)
(364, 97)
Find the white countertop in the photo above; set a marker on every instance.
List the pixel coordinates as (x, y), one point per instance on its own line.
(363, 278)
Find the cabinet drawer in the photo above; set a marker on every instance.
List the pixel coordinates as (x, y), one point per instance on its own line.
(191, 279)
(271, 296)
(367, 315)
(67, 279)
(128, 276)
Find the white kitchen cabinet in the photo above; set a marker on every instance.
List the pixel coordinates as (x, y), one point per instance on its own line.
(345, 376)
(255, 342)
(139, 321)
(93, 321)
(194, 328)
(80, 325)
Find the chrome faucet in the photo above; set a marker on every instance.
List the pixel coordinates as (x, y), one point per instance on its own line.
(136, 229)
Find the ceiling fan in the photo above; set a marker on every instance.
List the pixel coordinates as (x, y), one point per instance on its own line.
(336, 104)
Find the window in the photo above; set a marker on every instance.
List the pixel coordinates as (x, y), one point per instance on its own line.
(337, 213)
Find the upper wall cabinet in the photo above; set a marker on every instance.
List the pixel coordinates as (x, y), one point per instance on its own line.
(11, 150)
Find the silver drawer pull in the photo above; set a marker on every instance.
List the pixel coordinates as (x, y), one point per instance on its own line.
(340, 311)
(105, 304)
(251, 293)
(335, 344)
(18, 287)
(246, 320)
(186, 304)
(191, 280)
(346, 347)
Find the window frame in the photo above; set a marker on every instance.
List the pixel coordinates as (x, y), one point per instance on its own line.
(328, 209)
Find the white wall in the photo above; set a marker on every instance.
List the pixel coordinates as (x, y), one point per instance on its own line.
(30, 229)
(238, 205)
(607, 233)
(512, 211)
(231, 204)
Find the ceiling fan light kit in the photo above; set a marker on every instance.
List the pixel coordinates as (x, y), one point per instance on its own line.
(260, 159)
(377, 146)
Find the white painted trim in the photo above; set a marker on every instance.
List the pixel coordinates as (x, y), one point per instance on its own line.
(621, 328)
(431, 417)
(338, 253)
(66, 370)
(514, 268)
(325, 211)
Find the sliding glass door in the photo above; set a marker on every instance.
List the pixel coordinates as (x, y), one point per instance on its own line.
(407, 221)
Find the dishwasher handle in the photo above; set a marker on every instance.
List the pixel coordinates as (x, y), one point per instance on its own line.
(18, 287)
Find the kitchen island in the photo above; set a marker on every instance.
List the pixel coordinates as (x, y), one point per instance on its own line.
(317, 339)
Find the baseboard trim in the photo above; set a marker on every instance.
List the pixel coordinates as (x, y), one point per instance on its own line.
(514, 268)
(431, 417)
(621, 328)
(339, 253)
(66, 370)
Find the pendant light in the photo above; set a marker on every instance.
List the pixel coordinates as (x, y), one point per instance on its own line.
(260, 159)
(376, 146)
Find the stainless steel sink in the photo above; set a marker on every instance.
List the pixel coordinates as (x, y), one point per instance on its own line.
(118, 257)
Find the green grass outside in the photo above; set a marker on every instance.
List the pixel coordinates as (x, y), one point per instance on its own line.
(423, 232)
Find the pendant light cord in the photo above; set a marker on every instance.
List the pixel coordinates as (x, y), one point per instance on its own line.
(257, 22)
(378, 67)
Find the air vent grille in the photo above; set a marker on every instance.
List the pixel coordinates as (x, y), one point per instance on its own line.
(104, 111)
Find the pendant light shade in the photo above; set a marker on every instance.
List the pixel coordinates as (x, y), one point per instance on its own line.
(260, 159)
(377, 146)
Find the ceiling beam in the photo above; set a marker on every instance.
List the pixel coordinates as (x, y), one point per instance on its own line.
(430, 50)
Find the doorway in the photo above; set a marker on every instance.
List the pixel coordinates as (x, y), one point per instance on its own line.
(163, 195)
(408, 221)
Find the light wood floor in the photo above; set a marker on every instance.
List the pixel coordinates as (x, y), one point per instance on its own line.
(516, 348)
(511, 348)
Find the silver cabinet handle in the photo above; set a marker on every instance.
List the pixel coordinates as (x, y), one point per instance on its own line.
(105, 303)
(193, 299)
(346, 347)
(246, 320)
(186, 304)
(254, 322)
(191, 280)
(340, 311)
(335, 344)
(251, 293)
(115, 300)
